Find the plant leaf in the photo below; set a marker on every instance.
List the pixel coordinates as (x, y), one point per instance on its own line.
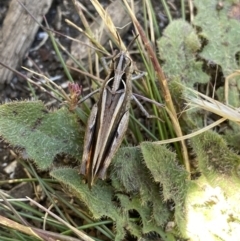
(41, 133)
(130, 174)
(98, 199)
(217, 162)
(221, 28)
(222, 32)
(178, 48)
(163, 165)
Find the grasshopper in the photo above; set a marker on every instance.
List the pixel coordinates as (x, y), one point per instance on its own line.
(108, 120)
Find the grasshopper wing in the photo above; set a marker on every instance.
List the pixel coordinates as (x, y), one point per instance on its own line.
(88, 140)
(117, 140)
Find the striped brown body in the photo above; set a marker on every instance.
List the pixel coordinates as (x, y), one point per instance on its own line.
(108, 120)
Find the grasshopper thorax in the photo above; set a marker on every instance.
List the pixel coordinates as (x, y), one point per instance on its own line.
(122, 63)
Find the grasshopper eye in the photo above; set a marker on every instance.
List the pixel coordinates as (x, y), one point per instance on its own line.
(128, 61)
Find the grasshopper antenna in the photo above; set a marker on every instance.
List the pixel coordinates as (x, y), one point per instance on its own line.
(132, 42)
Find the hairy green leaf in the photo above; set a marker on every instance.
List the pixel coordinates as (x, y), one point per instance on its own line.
(217, 163)
(222, 32)
(99, 199)
(178, 48)
(163, 165)
(221, 27)
(131, 174)
(41, 133)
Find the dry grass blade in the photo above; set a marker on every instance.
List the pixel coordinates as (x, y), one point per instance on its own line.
(2, 195)
(30, 81)
(82, 235)
(191, 7)
(209, 104)
(97, 79)
(12, 224)
(96, 34)
(209, 127)
(214, 106)
(60, 92)
(89, 36)
(108, 22)
(35, 232)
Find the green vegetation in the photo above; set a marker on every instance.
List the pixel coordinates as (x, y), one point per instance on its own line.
(143, 180)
